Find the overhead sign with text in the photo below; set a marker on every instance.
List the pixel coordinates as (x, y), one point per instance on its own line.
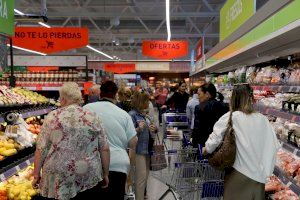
(200, 49)
(50, 40)
(119, 68)
(165, 50)
(233, 14)
(7, 16)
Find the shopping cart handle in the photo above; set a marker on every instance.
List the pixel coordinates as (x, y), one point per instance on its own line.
(172, 151)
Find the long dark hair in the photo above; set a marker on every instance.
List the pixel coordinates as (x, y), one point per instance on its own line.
(242, 99)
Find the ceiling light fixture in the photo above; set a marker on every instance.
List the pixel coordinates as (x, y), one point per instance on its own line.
(19, 12)
(45, 25)
(31, 51)
(100, 52)
(168, 19)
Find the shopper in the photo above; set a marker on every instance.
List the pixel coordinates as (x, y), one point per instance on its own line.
(124, 99)
(207, 113)
(72, 150)
(160, 96)
(145, 129)
(256, 147)
(179, 99)
(121, 135)
(94, 94)
(190, 107)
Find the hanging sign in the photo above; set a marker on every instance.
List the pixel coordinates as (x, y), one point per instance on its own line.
(50, 40)
(199, 50)
(164, 49)
(42, 69)
(233, 14)
(7, 16)
(119, 68)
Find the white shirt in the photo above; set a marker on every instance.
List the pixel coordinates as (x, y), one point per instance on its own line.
(190, 109)
(119, 129)
(256, 142)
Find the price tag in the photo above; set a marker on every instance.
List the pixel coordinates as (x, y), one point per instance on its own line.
(18, 168)
(28, 162)
(2, 178)
(39, 88)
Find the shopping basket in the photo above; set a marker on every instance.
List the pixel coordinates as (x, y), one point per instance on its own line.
(189, 176)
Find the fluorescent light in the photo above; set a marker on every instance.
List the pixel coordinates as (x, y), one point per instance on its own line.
(96, 50)
(19, 12)
(31, 51)
(45, 25)
(168, 19)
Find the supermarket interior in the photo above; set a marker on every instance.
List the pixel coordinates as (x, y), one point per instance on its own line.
(172, 50)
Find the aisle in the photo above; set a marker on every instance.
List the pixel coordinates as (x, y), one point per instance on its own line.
(156, 189)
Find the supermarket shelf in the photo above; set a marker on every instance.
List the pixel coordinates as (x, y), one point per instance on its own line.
(291, 148)
(277, 88)
(44, 88)
(38, 112)
(289, 182)
(278, 113)
(22, 164)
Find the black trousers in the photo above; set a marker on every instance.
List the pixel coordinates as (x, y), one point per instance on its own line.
(116, 187)
(115, 190)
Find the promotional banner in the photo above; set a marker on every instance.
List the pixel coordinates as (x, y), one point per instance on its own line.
(50, 40)
(41, 69)
(233, 14)
(164, 49)
(119, 68)
(200, 49)
(7, 16)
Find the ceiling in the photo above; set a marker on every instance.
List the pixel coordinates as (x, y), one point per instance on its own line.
(130, 22)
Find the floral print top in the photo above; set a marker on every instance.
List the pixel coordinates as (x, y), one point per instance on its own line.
(70, 142)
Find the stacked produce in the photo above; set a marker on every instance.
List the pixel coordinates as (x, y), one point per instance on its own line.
(34, 124)
(18, 187)
(278, 190)
(20, 96)
(34, 97)
(9, 97)
(287, 131)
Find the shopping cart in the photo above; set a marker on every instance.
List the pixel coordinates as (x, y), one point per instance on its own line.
(189, 176)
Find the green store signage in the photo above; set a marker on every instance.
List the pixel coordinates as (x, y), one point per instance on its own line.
(7, 16)
(233, 14)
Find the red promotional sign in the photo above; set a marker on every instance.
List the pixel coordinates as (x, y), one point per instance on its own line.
(164, 49)
(199, 50)
(42, 69)
(119, 68)
(50, 40)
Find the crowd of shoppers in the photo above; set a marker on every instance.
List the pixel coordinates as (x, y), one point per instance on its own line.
(90, 150)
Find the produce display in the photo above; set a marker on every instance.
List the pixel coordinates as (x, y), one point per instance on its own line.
(18, 187)
(34, 124)
(20, 96)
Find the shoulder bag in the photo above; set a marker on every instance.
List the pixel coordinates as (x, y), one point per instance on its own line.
(224, 156)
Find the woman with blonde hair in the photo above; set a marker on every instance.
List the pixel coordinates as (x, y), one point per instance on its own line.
(256, 147)
(72, 153)
(145, 129)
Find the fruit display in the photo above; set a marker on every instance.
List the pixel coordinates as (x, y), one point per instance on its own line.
(34, 124)
(18, 187)
(33, 97)
(20, 96)
(9, 97)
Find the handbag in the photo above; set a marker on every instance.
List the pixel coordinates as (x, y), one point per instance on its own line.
(158, 159)
(224, 156)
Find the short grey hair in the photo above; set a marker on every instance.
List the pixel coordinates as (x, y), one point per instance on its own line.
(71, 92)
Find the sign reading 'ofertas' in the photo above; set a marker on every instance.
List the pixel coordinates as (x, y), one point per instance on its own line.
(233, 14)
(164, 49)
(7, 16)
(50, 40)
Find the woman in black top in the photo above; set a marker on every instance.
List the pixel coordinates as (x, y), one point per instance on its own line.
(179, 99)
(207, 113)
